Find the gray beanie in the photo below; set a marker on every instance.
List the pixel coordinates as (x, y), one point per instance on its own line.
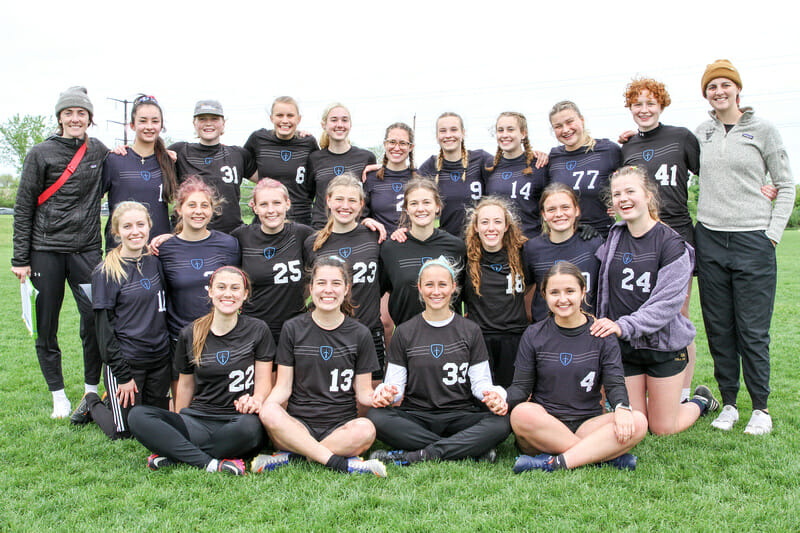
(74, 97)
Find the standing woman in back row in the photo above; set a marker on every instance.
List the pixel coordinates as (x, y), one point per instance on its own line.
(57, 235)
(737, 231)
(281, 154)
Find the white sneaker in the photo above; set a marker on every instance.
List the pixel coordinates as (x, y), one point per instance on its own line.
(760, 423)
(61, 409)
(727, 418)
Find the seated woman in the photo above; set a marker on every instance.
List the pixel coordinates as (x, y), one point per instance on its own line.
(225, 364)
(561, 367)
(325, 363)
(438, 366)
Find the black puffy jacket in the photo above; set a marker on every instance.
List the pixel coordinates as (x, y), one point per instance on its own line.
(69, 221)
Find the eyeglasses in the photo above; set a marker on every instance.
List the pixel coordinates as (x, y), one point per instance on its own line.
(394, 142)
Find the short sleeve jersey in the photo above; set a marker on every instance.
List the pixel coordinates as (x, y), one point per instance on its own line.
(501, 306)
(633, 272)
(131, 177)
(360, 251)
(384, 197)
(508, 179)
(227, 364)
(187, 267)
(587, 172)
(323, 166)
(668, 153)
(224, 168)
(437, 360)
(540, 254)
(569, 367)
(275, 266)
(400, 264)
(139, 304)
(326, 363)
(458, 188)
(285, 161)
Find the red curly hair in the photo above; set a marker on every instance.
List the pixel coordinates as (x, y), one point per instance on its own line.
(656, 89)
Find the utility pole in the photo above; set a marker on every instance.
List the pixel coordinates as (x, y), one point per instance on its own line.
(124, 122)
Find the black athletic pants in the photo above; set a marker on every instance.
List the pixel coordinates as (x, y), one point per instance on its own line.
(736, 273)
(444, 434)
(49, 271)
(502, 348)
(195, 439)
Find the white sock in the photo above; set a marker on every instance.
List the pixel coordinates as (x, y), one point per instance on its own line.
(89, 388)
(685, 395)
(212, 466)
(59, 396)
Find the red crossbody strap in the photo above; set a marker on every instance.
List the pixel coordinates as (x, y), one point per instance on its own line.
(73, 164)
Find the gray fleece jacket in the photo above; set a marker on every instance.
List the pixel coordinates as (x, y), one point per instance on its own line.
(733, 167)
(658, 324)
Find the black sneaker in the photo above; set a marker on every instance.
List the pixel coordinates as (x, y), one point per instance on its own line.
(703, 394)
(155, 461)
(231, 466)
(489, 456)
(81, 414)
(397, 457)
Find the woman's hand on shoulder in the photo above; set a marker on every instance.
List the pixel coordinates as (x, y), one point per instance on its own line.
(399, 235)
(541, 158)
(369, 168)
(158, 241)
(603, 327)
(374, 225)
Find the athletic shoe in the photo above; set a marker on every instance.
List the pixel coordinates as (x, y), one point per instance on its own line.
(264, 462)
(106, 400)
(543, 461)
(61, 409)
(81, 414)
(231, 466)
(356, 465)
(398, 457)
(626, 461)
(727, 418)
(489, 456)
(703, 394)
(760, 423)
(155, 461)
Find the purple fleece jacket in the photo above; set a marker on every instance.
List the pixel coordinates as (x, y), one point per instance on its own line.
(658, 323)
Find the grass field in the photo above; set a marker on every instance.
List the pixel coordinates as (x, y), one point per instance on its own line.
(59, 477)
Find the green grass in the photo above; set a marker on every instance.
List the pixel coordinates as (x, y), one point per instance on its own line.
(58, 477)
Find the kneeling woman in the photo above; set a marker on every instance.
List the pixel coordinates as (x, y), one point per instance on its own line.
(131, 325)
(438, 365)
(561, 366)
(325, 363)
(225, 365)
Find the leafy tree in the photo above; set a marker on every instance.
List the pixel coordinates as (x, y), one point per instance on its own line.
(19, 133)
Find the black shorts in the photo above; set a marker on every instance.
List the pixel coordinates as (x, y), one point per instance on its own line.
(654, 363)
(319, 432)
(574, 423)
(380, 351)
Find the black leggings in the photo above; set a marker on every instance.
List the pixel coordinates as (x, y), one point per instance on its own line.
(190, 437)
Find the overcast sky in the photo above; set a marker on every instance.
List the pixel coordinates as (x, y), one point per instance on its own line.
(388, 61)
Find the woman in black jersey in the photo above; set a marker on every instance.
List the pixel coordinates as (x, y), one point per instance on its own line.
(561, 367)
(335, 157)
(357, 245)
(494, 291)
(459, 173)
(273, 257)
(225, 363)
(438, 366)
(645, 267)
(561, 240)
(282, 154)
(400, 261)
(130, 320)
(325, 362)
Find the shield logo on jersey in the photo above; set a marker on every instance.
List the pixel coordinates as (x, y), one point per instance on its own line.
(496, 267)
(558, 261)
(145, 175)
(506, 175)
(145, 283)
(345, 252)
(455, 176)
(571, 164)
(627, 257)
(565, 358)
(648, 154)
(424, 260)
(326, 352)
(397, 187)
(286, 155)
(223, 357)
(269, 253)
(208, 160)
(197, 264)
(437, 350)
(338, 171)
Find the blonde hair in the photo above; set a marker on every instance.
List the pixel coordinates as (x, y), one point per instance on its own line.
(522, 122)
(113, 264)
(324, 139)
(284, 100)
(464, 153)
(566, 105)
(419, 182)
(345, 180)
(648, 185)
